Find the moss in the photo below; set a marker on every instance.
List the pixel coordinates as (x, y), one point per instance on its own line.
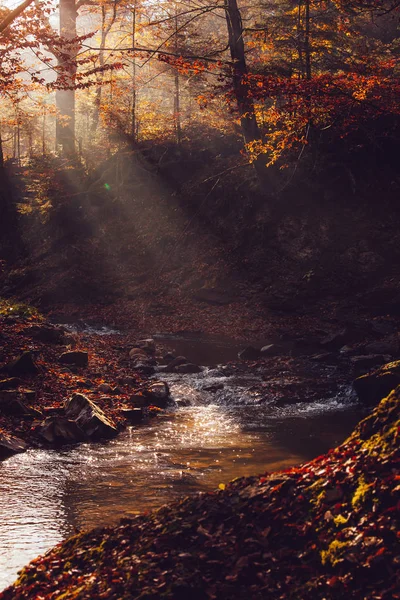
(11, 308)
(334, 553)
(361, 492)
(340, 520)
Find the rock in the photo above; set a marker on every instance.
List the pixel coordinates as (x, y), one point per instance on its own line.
(179, 360)
(390, 346)
(10, 383)
(89, 417)
(133, 415)
(182, 402)
(368, 361)
(60, 430)
(373, 387)
(158, 394)
(10, 444)
(351, 350)
(337, 340)
(383, 327)
(47, 334)
(28, 395)
(159, 389)
(188, 368)
(214, 387)
(273, 350)
(79, 358)
(12, 404)
(147, 345)
(249, 353)
(23, 365)
(139, 400)
(105, 388)
(137, 353)
(145, 368)
(169, 356)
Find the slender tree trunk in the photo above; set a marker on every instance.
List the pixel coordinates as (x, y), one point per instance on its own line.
(250, 129)
(105, 30)
(307, 44)
(1, 152)
(65, 98)
(177, 110)
(300, 40)
(177, 93)
(134, 94)
(44, 132)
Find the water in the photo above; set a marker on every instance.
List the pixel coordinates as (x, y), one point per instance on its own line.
(230, 431)
(47, 495)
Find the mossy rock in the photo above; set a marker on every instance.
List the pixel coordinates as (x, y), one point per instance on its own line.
(373, 387)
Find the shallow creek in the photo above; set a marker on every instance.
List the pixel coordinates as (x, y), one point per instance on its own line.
(46, 495)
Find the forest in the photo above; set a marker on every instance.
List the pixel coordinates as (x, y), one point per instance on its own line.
(199, 299)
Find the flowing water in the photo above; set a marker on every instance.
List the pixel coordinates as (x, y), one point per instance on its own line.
(46, 495)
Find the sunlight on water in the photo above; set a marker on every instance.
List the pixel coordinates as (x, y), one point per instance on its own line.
(46, 495)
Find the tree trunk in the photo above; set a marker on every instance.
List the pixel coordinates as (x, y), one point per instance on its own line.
(307, 45)
(177, 92)
(105, 30)
(134, 94)
(248, 121)
(65, 98)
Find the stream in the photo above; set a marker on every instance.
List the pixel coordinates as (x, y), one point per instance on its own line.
(47, 495)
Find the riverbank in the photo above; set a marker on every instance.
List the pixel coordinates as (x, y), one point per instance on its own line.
(326, 529)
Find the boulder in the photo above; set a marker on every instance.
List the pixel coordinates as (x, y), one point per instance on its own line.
(10, 383)
(89, 417)
(389, 346)
(60, 430)
(79, 358)
(23, 365)
(10, 444)
(337, 340)
(383, 327)
(369, 361)
(11, 404)
(144, 368)
(133, 415)
(147, 345)
(373, 387)
(157, 394)
(249, 353)
(275, 350)
(179, 360)
(188, 368)
(139, 401)
(137, 353)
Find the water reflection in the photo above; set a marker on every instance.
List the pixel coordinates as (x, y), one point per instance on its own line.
(45, 495)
